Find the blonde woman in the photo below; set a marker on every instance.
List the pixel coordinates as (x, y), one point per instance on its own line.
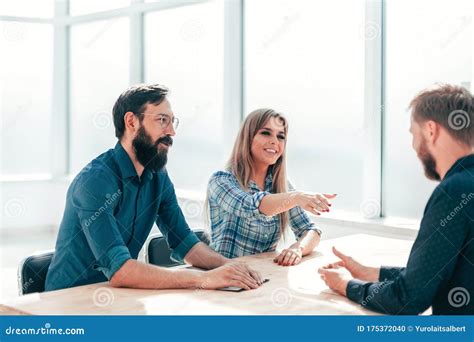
(249, 203)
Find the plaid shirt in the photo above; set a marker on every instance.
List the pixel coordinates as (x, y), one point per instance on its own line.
(238, 227)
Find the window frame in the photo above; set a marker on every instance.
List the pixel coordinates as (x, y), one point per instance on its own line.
(234, 81)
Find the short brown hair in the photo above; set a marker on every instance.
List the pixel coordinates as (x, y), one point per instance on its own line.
(135, 99)
(449, 105)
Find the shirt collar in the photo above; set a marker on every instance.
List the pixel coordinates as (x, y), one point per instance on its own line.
(461, 164)
(124, 162)
(268, 181)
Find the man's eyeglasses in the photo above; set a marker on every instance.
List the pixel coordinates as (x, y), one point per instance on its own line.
(165, 120)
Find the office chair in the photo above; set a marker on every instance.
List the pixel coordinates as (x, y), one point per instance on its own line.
(32, 272)
(158, 252)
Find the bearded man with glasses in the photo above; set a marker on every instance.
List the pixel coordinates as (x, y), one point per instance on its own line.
(113, 202)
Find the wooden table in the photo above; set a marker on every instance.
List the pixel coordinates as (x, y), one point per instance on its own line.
(8, 311)
(295, 290)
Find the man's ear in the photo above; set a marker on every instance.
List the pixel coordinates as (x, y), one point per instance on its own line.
(432, 131)
(131, 122)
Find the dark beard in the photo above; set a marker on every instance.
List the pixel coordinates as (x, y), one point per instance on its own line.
(148, 153)
(429, 163)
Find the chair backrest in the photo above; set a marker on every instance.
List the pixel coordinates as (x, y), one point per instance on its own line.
(158, 252)
(32, 272)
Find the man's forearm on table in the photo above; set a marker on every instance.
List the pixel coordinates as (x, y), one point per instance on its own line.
(202, 256)
(135, 274)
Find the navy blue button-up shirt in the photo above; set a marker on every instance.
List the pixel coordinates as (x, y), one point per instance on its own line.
(108, 216)
(440, 269)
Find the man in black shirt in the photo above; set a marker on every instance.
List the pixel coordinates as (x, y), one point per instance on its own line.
(440, 270)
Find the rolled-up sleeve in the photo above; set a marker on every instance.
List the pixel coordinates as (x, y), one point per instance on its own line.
(95, 210)
(300, 222)
(224, 190)
(172, 224)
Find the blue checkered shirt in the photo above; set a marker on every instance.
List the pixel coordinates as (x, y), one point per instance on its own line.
(238, 227)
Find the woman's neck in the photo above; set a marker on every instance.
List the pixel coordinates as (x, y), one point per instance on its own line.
(259, 173)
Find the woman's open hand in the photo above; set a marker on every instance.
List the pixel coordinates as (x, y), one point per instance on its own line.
(315, 204)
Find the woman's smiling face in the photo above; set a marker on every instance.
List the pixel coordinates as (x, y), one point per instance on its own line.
(269, 143)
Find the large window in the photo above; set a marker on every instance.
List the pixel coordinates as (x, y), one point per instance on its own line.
(27, 8)
(81, 7)
(25, 97)
(184, 51)
(99, 73)
(427, 42)
(320, 62)
(306, 59)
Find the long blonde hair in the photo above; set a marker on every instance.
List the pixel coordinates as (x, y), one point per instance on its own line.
(241, 162)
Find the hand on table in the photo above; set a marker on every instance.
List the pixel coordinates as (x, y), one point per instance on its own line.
(336, 278)
(289, 257)
(233, 273)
